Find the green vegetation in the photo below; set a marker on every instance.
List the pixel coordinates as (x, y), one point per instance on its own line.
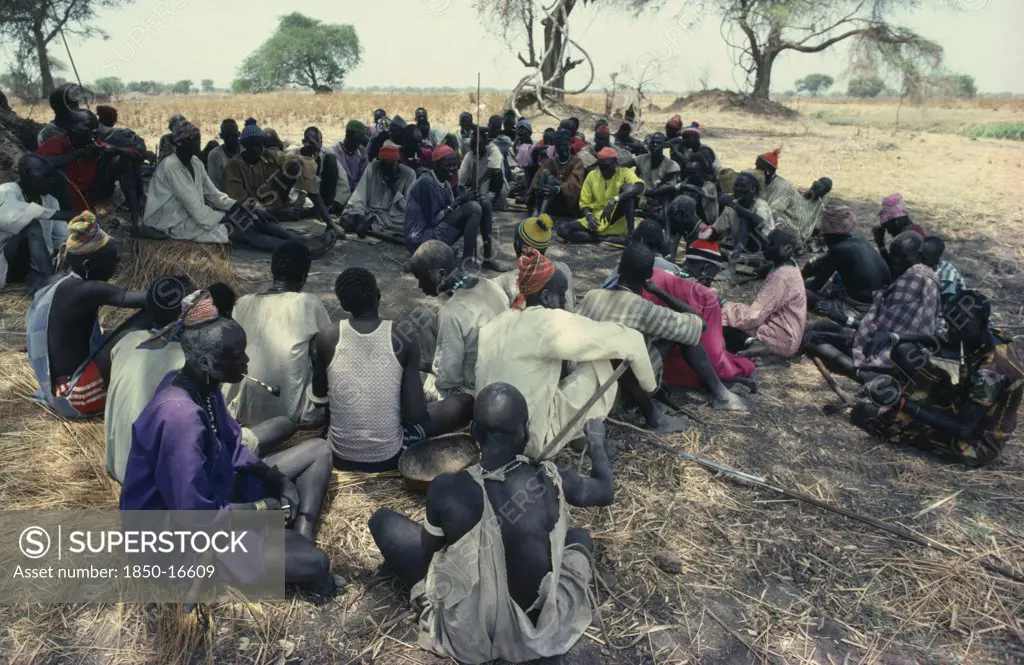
(303, 52)
(1013, 131)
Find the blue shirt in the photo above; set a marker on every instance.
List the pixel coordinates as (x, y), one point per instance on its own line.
(425, 207)
(176, 462)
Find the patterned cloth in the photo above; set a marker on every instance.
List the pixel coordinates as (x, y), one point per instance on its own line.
(535, 271)
(993, 381)
(792, 210)
(778, 315)
(84, 237)
(951, 282)
(907, 307)
(631, 310)
(86, 391)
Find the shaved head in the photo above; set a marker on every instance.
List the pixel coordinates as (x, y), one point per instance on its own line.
(500, 407)
(431, 264)
(905, 251)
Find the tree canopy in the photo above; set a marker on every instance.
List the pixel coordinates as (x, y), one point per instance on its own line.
(815, 84)
(867, 85)
(34, 24)
(303, 52)
(759, 31)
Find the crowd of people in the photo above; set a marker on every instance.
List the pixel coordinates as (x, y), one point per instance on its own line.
(518, 356)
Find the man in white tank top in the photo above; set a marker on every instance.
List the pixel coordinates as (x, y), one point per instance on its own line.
(366, 373)
(468, 302)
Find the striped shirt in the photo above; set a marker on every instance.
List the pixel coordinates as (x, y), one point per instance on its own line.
(629, 309)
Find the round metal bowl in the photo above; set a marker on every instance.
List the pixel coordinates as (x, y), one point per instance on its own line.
(423, 462)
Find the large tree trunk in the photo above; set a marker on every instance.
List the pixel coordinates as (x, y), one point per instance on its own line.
(763, 79)
(554, 38)
(45, 75)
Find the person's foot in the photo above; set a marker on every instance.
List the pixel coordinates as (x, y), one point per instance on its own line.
(493, 264)
(666, 424)
(753, 349)
(330, 586)
(730, 402)
(319, 247)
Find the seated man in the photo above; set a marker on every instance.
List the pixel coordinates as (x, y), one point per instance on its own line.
(557, 186)
(280, 324)
(612, 192)
(263, 176)
(139, 360)
(790, 208)
(482, 171)
(366, 373)
(93, 169)
(187, 453)
(467, 304)
(673, 325)
(685, 146)
(32, 224)
(775, 321)
(861, 271)
(520, 585)
(602, 139)
(673, 280)
(893, 220)
(433, 136)
(66, 348)
(527, 346)
(65, 100)
(968, 423)
(433, 213)
(746, 221)
(664, 187)
(378, 201)
(319, 179)
(467, 128)
(351, 155)
(535, 232)
(219, 157)
(907, 307)
(625, 143)
(165, 147)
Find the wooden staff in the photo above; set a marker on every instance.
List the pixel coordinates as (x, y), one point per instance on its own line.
(833, 384)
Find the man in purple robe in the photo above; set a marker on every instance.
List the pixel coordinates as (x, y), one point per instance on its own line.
(187, 452)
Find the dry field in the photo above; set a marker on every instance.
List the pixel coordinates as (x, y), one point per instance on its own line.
(693, 568)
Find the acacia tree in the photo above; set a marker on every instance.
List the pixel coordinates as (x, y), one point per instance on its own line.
(759, 31)
(520, 22)
(815, 84)
(303, 52)
(34, 24)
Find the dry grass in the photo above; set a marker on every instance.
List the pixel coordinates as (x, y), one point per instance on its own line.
(692, 568)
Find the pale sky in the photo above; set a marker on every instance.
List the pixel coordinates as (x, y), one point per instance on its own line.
(443, 43)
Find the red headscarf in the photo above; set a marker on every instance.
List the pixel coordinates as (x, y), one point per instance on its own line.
(535, 271)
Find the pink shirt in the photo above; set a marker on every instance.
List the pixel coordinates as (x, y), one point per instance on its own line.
(778, 315)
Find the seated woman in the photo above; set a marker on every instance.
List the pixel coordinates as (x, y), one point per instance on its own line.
(968, 423)
(187, 454)
(775, 321)
(65, 345)
(366, 373)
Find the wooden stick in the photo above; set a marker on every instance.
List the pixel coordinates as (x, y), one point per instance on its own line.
(582, 413)
(832, 383)
(661, 444)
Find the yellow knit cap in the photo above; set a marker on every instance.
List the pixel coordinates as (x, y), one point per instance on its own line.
(535, 231)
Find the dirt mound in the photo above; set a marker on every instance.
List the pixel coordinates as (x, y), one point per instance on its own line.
(16, 136)
(727, 100)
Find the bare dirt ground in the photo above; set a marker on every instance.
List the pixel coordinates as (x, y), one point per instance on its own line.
(693, 568)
